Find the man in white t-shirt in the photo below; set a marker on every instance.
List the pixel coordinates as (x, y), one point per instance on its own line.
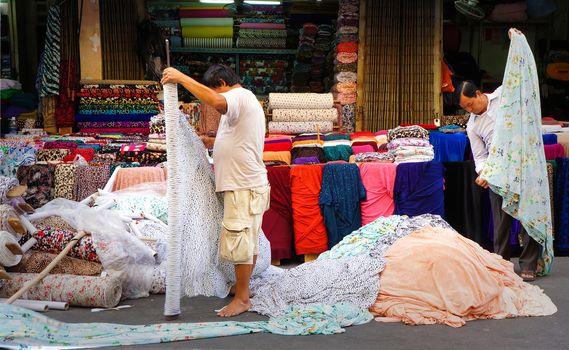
(239, 171)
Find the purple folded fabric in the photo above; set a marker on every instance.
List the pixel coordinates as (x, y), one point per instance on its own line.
(262, 26)
(554, 151)
(306, 160)
(14, 111)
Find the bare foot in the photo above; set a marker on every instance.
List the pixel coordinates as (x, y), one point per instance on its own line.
(232, 291)
(234, 308)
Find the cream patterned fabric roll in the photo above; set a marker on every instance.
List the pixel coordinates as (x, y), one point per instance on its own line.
(300, 127)
(301, 101)
(302, 115)
(89, 291)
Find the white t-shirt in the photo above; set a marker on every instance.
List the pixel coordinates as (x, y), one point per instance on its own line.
(238, 147)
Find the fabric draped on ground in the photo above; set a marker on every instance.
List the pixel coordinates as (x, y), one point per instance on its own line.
(29, 329)
(419, 287)
(349, 272)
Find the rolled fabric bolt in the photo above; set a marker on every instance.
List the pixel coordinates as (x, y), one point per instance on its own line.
(51, 305)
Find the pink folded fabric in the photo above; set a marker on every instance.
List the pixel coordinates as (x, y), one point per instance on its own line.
(362, 149)
(554, 151)
(379, 181)
(262, 26)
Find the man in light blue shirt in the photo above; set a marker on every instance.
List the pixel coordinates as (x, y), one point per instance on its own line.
(480, 129)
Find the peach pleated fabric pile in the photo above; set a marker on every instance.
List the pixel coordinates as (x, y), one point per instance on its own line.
(438, 276)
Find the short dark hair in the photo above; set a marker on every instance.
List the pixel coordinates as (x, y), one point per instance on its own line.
(466, 88)
(218, 72)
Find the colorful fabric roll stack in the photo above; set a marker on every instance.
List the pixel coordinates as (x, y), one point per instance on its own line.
(264, 28)
(277, 150)
(297, 113)
(116, 106)
(157, 138)
(307, 149)
(363, 142)
(166, 16)
(264, 75)
(312, 64)
(410, 144)
(206, 25)
(346, 61)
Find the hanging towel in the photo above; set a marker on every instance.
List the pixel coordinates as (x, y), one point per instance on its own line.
(310, 235)
(340, 196)
(378, 180)
(419, 189)
(515, 168)
(277, 221)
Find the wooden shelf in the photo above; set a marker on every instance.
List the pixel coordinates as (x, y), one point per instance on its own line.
(234, 51)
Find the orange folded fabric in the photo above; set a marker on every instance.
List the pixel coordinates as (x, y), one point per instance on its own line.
(310, 236)
(128, 177)
(282, 156)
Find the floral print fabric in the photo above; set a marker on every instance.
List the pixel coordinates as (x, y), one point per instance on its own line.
(88, 291)
(54, 240)
(25, 328)
(299, 115)
(515, 168)
(39, 178)
(301, 101)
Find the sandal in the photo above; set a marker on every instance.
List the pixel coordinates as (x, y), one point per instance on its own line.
(528, 276)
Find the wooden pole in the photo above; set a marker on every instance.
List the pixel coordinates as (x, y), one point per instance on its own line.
(48, 268)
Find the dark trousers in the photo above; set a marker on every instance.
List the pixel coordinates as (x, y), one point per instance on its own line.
(502, 229)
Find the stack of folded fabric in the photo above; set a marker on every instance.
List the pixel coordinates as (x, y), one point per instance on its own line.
(297, 113)
(346, 60)
(157, 138)
(337, 146)
(111, 106)
(166, 16)
(320, 66)
(263, 75)
(307, 149)
(301, 73)
(206, 25)
(264, 27)
(277, 150)
(410, 144)
(363, 141)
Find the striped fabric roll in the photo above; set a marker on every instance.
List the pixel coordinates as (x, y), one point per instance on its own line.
(209, 42)
(210, 22)
(207, 32)
(299, 115)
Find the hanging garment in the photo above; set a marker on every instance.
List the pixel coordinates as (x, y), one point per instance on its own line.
(448, 147)
(562, 204)
(310, 235)
(340, 196)
(378, 180)
(277, 221)
(482, 285)
(419, 189)
(464, 209)
(521, 177)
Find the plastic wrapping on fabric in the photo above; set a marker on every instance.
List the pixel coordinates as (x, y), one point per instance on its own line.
(122, 254)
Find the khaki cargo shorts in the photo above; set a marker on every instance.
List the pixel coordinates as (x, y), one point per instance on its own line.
(242, 218)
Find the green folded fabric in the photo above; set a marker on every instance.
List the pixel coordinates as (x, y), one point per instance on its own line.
(207, 32)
